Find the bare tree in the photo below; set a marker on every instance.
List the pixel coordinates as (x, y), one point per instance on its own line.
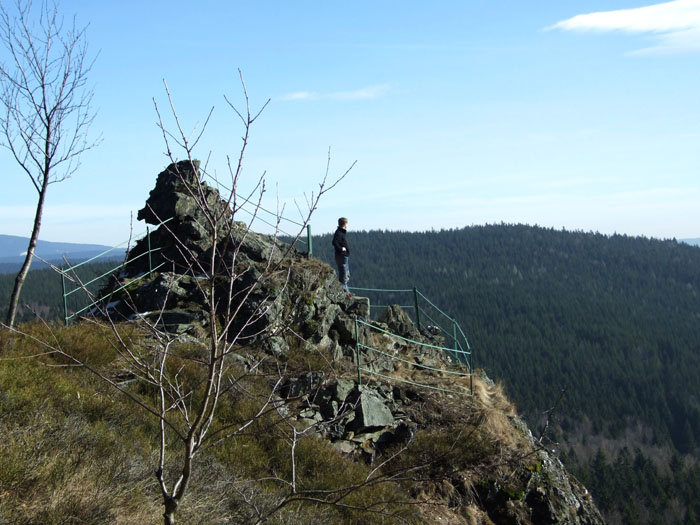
(45, 106)
(230, 323)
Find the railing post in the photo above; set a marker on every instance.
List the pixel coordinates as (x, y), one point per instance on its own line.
(65, 299)
(309, 240)
(357, 351)
(150, 263)
(415, 303)
(456, 342)
(454, 334)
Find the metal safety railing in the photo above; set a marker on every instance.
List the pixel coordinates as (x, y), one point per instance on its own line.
(460, 358)
(426, 316)
(70, 277)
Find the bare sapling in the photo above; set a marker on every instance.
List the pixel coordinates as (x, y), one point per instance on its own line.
(45, 105)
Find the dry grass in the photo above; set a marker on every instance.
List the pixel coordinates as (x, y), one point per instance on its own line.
(73, 450)
(466, 515)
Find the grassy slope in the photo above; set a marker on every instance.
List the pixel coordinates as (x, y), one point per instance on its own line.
(74, 451)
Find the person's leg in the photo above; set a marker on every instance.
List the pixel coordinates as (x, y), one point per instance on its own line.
(346, 273)
(340, 262)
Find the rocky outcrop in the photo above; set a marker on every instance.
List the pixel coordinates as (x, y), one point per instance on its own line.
(365, 420)
(398, 322)
(293, 302)
(180, 200)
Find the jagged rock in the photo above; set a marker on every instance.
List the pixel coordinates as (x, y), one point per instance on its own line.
(399, 322)
(553, 495)
(376, 362)
(371, 411)
(179, 197)
(426, 361)
(433, 335)
(342, 388)
(249, 246)
(302, 385)
(332, 399)
(166, 291)
(275, 346)
(358, 306)
(345, 326)
(331, 347)
(318, 321)
(170, 196)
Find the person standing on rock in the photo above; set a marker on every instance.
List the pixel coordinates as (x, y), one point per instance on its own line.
(342, 254)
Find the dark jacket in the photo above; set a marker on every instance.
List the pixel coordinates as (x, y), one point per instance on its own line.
(339, 242)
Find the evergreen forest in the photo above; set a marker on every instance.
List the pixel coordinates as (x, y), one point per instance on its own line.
(613, 322)
(42, 293)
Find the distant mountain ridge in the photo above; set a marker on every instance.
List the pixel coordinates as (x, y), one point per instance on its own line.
(13, 249)
(694, 242)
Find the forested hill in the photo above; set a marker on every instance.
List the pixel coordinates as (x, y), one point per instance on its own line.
(613, 320)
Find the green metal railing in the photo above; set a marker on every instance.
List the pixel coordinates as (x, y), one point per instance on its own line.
(362, 362)
(426, 316)
(70, 275)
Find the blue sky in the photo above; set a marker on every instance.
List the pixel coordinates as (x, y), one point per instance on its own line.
(583, 115)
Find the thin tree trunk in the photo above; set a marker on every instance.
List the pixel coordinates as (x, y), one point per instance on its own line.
(22, 275)
(170, 510)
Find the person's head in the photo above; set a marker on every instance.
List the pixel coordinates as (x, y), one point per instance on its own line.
(342, 223)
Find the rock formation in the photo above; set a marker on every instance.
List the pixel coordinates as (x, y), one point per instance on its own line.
(500, 475)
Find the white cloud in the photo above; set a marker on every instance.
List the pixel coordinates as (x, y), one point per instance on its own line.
(675, 25)
(299, 95)
(365, 93)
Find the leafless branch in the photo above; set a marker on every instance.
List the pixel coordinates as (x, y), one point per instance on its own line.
(45, 104)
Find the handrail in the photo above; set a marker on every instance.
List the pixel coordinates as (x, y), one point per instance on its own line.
(66, 272)
(412, 363)
(388, 305)
(75, 314)
(377, 290)
(465, 337)
(462, 351)
(431, 304)
(412, 341)
(257, 206)
(276, 227)
(73, 267)
(417, 293)
(359, 346)
(423, 385)
(80, 286)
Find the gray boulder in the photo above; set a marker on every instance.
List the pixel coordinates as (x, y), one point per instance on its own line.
(399, 322)
(371, 411)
